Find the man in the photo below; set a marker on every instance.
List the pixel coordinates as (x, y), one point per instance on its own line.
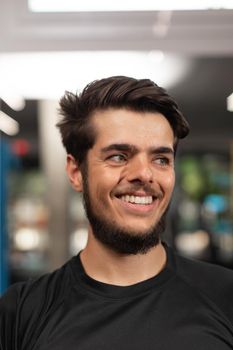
(126, 289)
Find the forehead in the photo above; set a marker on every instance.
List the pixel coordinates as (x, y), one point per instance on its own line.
(137, 128)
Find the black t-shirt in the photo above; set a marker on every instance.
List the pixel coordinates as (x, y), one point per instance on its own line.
(189, 305)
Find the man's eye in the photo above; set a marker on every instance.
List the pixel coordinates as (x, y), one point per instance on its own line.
(117, 158)
(162, 161)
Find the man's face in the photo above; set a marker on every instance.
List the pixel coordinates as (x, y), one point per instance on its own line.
(129, 177)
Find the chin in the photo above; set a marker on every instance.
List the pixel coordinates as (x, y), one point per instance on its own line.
(137, 227)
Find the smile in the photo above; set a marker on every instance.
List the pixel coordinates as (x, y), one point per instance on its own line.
(137, 199)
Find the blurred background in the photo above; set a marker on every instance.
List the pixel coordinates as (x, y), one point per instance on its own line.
(47, 47)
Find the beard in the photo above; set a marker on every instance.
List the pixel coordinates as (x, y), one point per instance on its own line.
(117, 238)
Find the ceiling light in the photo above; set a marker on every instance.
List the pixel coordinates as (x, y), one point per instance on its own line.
(156, 56)
(230, 103)
(126, 5)
(8, 125)
(192, 244)
(78, 240)
(27, 238)
(14, 101)
(76, 69)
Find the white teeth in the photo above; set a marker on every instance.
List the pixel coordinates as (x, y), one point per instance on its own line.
(137, 199)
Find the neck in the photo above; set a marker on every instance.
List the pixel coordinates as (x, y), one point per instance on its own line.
(107, 266)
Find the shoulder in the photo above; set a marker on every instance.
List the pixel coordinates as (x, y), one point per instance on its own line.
(25, 304)
(9, 300)
(8, 307)
(51, 283)
(204, 274)
(213, 281)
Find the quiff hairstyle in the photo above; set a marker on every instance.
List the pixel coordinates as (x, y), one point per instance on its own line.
(139, 95)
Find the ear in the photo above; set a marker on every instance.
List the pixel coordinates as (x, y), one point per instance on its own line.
(74, 173)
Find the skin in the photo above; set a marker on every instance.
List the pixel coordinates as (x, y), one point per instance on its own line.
(133, 154)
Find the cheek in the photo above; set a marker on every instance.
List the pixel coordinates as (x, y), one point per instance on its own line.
(169, 183)
(101, 191)
(106, 180)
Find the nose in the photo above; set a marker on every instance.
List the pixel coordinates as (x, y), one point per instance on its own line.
(139, 169)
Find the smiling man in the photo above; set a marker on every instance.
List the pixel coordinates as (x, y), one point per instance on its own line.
(127, 289)
(128, 181)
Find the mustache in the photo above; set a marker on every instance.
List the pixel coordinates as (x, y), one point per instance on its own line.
(130, 189)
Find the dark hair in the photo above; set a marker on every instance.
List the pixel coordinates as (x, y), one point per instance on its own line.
(141, 95)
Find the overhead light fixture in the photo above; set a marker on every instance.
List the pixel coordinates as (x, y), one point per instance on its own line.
(230, 103)
(77, 69)
(8, 125)
(126, 5)
(156, 56)
(14, 101)
(27, 238)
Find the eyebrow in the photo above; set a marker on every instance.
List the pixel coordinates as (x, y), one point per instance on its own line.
(131, 148)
